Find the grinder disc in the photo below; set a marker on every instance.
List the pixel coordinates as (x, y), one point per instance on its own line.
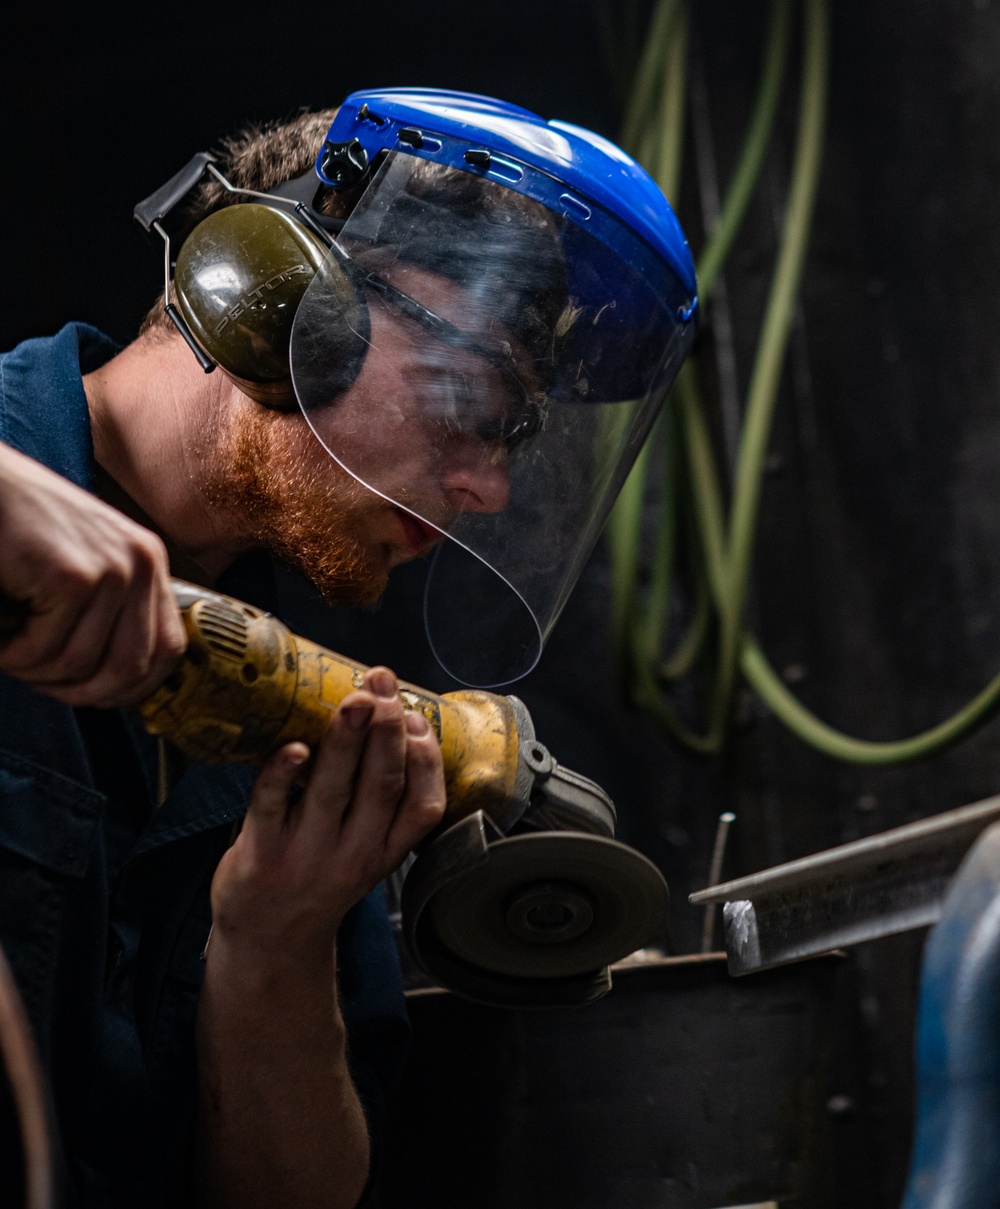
(551, 904)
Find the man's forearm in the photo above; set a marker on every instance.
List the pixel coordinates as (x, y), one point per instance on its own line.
(279, 1119)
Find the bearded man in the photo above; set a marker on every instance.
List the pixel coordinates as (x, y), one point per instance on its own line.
(422, 348)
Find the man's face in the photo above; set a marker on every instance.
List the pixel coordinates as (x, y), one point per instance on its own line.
(420, 426)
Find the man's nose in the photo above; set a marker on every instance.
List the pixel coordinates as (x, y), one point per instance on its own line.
(476, 479)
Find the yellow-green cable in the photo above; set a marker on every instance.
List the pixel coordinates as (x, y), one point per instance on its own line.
(754, 664)
(688, 650)
(647, 76)
(755, 144)
(625, 523)
(776, 40)
(685, 655)
(646, 635)
(728, 556)
(752, 661)
(666, 168)
(726, 565)
(766, 375)
(709, 513)
(646, 626)
(802, 722)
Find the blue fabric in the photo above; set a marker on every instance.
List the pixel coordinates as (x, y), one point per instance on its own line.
(104, 907)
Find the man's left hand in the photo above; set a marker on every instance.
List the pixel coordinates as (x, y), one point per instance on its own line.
(301, 862)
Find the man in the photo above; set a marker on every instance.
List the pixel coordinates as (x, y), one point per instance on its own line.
(215, 996)
(279, 1113)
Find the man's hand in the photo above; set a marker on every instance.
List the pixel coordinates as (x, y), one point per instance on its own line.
(102, 627)
(280, 1120)
(298, 866)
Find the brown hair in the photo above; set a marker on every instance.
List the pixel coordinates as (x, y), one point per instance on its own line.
(258, 156)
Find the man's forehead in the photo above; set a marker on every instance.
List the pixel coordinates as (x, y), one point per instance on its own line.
(462, 305)
(453, 300)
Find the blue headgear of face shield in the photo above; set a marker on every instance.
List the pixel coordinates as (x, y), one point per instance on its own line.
(564, 258)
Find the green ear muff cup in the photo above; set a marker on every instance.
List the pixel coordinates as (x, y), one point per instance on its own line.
(239, 279)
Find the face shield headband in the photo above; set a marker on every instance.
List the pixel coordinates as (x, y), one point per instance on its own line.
(517, 361)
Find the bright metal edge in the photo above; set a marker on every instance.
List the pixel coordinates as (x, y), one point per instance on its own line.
(744, 934)
(907, 841)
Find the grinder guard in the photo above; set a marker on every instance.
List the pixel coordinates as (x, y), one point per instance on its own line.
(533, 917)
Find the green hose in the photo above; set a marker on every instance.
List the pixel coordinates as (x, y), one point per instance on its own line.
(667, 45)
(766, 375)
(726, 550)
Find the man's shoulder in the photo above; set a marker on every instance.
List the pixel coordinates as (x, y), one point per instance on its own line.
(80, 343)
(43, 406)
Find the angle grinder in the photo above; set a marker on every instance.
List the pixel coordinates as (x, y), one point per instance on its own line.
(521, 896)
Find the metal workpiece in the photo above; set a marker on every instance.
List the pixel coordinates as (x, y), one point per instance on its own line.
(879, 886)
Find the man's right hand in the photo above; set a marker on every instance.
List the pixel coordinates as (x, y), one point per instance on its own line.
(102, 627)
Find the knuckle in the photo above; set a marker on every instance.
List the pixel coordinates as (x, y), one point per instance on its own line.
(171, 634)
(78, 665)
(73, 579)
(426, 749)
(112, 570)
(268, 787)
(170, 645)
(127, 665)
(275, 773)
(432, 804)
(390, 784)
(387, 719)
(150, 547)
(117, 570)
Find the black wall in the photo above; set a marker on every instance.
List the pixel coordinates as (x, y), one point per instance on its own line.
(101, 103)
(878, 565)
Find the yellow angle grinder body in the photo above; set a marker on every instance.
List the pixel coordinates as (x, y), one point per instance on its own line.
(521, 897)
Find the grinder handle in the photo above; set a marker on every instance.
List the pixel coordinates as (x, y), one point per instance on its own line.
(247, 685)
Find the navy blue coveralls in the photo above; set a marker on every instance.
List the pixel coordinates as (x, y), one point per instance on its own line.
(104, 908)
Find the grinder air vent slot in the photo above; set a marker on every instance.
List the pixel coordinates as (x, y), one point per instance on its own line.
(223, 628)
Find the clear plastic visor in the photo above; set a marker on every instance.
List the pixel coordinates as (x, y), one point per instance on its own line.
(516, 361)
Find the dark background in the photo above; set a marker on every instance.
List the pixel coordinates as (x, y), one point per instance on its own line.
(877, 576)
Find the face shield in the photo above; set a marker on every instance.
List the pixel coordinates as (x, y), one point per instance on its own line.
(518, 357)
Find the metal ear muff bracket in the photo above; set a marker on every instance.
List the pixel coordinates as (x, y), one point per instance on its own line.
(151, 212)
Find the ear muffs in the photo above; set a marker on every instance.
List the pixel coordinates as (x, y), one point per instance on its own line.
(238, 281)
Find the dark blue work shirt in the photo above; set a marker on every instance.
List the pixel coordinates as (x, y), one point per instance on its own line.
(104, 907)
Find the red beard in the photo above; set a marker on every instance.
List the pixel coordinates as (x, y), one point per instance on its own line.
(309, 514)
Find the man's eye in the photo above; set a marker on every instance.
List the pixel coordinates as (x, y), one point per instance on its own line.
(512, 430)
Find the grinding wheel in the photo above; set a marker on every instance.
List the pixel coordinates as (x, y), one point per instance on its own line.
(550, 905)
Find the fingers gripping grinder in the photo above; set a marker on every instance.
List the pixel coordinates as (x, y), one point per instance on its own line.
(521, 896)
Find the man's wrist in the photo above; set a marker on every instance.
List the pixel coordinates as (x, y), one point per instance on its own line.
(248, 977)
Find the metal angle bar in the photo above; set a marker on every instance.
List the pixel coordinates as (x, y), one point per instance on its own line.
(885, 884)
